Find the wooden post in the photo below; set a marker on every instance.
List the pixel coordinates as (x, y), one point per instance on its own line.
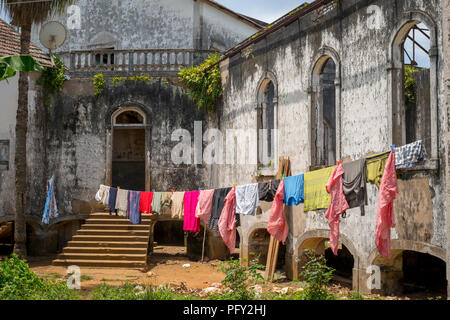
(284, 169)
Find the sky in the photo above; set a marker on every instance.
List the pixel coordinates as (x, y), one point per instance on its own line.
(265, 10)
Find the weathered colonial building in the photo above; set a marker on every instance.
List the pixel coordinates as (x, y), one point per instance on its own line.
(333, 73)
(328, 77)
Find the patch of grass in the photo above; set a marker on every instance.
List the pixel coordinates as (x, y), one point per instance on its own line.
(356, 295)
(136, 292)
(19, 282)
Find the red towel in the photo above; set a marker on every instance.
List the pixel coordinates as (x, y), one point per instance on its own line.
(385, 212)
(277, 225)
(145, 205)
(227, 221)
(338, 205)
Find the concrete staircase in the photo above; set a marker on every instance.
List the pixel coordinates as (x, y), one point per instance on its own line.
(108, 241)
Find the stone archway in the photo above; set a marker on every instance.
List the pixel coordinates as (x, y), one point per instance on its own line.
(411, 264)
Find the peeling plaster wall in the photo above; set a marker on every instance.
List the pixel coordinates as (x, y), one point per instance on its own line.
(365, 120)
(77, 143)
(149, 24)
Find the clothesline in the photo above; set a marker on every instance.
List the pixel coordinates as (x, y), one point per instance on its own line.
(335, 188)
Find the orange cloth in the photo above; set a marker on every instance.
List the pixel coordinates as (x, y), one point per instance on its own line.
(385, 212)
(227, 221)
(277, 225)
(337, 206)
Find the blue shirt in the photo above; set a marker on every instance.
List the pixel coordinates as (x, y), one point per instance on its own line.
(293, 190)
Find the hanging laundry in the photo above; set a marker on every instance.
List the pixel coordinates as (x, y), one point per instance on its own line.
(156, 202)
(177, 205)
(227, 221)
(204, 205)
(217, 207)
(315, 192)
(112, 199)
(191, 223)
(338, 205)
(166, 203)
(293, 190)
(247, 199)
(133, 212)
(277, 225)
(410, 156)
(145, 205)
(102, 194)
(50, 209)
(354, 183)
(268, 190)
(385, 213)
(375, 167)
(122, 202)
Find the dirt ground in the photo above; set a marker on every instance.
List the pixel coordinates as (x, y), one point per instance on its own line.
(165, 266)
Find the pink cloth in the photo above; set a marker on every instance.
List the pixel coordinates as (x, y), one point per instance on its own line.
(227, 221)
(385, 213)
(204, 206)
(338, 205)
(191, 223)
(277, 225)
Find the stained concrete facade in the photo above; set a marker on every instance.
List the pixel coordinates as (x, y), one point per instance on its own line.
(365, 49)
(150, 24)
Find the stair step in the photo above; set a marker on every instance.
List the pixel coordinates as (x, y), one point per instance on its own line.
(107, 244)
(102, 256)
(104, 250)
(83, 237)
(115, 227)
(100, 263)
(94, 232)
(116, 221)
(112, 217)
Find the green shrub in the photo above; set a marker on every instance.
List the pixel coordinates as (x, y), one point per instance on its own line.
(52, 79)
(317, 275)
(19, 282)
(238, 279)
(204, 83)
(99, 83)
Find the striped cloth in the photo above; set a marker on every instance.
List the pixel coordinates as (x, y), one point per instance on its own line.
(316, 195)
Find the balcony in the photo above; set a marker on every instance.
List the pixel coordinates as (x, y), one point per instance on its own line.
(157, 62)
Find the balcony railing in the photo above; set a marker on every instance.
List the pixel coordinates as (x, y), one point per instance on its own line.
(132, 61)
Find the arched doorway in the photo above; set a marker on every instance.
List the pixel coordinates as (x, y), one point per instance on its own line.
(258, 247)
(129, 149)
(413, 274)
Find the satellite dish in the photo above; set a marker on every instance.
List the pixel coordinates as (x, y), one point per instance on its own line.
(52, 35)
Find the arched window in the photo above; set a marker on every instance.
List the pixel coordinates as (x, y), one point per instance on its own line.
(267, 124)
(324, 122)
(413, 76)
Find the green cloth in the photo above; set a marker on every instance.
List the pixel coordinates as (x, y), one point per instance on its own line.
(156, 202)
(316, 195)
(375, 167)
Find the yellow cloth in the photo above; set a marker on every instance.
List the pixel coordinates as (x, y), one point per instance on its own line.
(316, 195)
(375, 167)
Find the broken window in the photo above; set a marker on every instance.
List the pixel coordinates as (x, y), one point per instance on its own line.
(413, 88)
(267, 125)
(324, 113)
